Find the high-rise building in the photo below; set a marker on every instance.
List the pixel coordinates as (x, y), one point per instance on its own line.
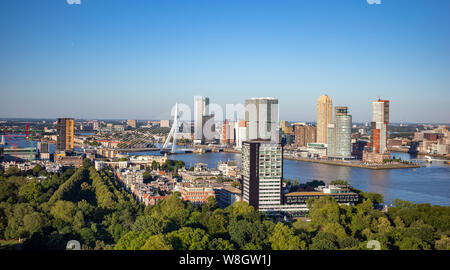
(324, 118)
(262, 174)
(380, 122)
(95, 125)
(43, 147)
(261, 116)
(64, 134)
(228, 133)
(284, 124)
(241, 133)
(201, 116)
(132, 123)
(340, 135)
(164, 123)
(304, 134)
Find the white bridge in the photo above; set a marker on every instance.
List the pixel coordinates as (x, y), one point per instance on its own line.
(173, 134)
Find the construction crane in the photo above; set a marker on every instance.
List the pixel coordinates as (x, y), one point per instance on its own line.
(10, 140)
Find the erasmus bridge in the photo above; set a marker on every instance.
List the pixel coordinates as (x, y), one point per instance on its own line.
(173, 134)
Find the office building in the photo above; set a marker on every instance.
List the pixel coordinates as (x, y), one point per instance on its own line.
(262, 173)
(304, 135)
(240, 133)
(202, 118)
(25, 153)
(209, 128)
(43, 147)
(95, 125)
(261, 116)
(380, 122)
(340, 135)
(227, 195)
(164, 123)
(228, 133)
(284, 124)
(64, 134)
(324, 118)
(132, 123)
(342, 195)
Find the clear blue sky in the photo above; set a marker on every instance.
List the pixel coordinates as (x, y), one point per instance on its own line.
(135, 59)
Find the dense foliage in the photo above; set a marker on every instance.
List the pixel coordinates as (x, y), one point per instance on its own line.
(83, 205)
(90, 206)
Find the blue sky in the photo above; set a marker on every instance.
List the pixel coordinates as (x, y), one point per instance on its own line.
(135, 59)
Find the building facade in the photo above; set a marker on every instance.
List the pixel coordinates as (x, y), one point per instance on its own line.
(261, 117)
(304, 134)
(201, 109)
(64, 134)
(380, 122)
(340, 135)
(324, 118)
(262, 173)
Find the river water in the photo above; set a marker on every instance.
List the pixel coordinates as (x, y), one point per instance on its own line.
(430, 184)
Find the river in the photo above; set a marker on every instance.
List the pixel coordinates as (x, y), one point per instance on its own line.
(430, 184)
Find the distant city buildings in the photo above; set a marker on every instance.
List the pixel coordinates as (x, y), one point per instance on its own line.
(324, 118)
(64, 134)
(434, 141)
(132, 123)
(164, 123)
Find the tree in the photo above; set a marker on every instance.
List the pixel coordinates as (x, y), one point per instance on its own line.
(283, 238)
(149, 223)
(339, 182)
(323, 211)
(31, 191)
(216, 224)
(245, 233)
(210, 205)
(34, 222)
(188, 239)
(155, 165)
(7, 190)
(443, 243)
(336, 229)
(87, 163)
(37, 169)
(157, 242)
(374, 197)
(411, 243)
(220, 244)
(64, 211)
(324, 241)
(12, 170)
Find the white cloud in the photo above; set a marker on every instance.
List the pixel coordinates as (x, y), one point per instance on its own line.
(371, 2)
(76, 2)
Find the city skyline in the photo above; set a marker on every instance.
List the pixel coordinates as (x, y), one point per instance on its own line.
(61, 60)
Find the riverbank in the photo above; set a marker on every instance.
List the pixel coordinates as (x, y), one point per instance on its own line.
(357, 165)
(343, 163)
(401, 150)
